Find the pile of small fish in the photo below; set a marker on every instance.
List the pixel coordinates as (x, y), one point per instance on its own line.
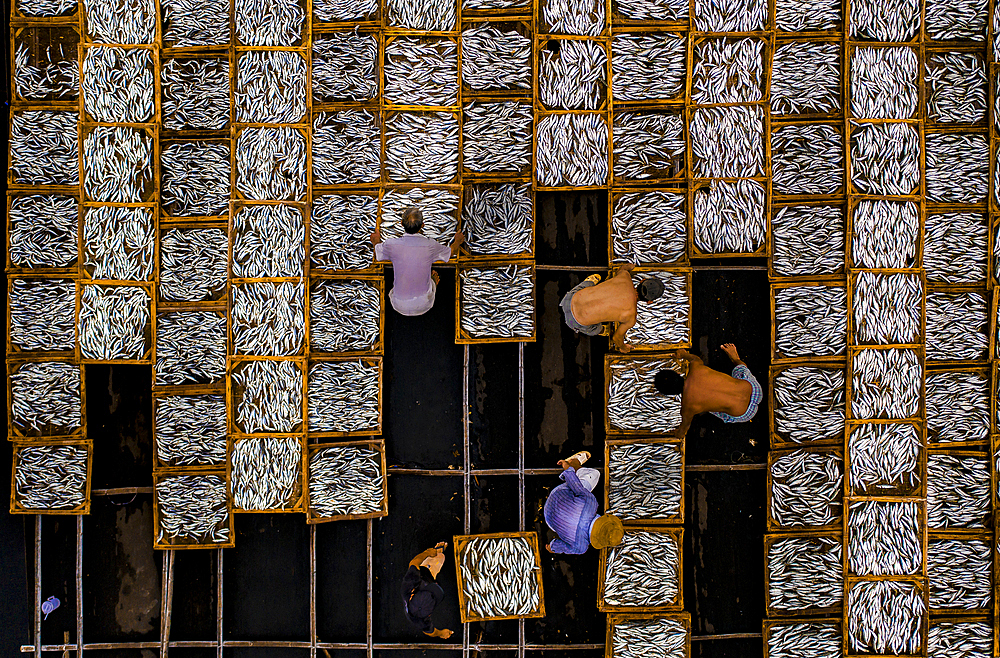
(45, 397)
(190, 430)
(809, 403)
(344, 315)
(884, 233)
(43, 230)
(727, 71)
(195, 93)
(194, 264)
(571, 150)
(193, 509)
(497, 302)
(346, 147)
(645, 480)
(955, 19)
(43, 148)
(346, 480)
(344, 67)
(651, 10)
(885, 158)
(271, 163)
(730, 15)
(643, 570)
(573, 74)
(426, 15)
(270, 87)
(647, 67)
(876, 20)
(806, 489)
(422, 147)
(118, 243)
(267, 396)
(648, 227)
(495, 60)
(494, 5)
(960, 574)
(813, 639)
(114, 322)
(663, 321)
(190, 348)
(805, 574)
(885, 538)
(580, 17)
(633, 403)
(188, 23)
(118, 164)
(51, 477)
(496, 137)
(958, 639)
(958, 491)
(958, 406)
(884, 458)
(497, 219)
(885, 617)
(268, 319)
(195, 179)
(957, 325)
(810, 321)
(269, 242)
(884, 83)
(45, 7)
(42, 315)
(808, 240)
(886, 383)
(727, 142)
(887, 308)
(121, 21)
(56, 78)
(807, 159)
(956, 87)
(957, 168)
(805, 78)
(729, 217)
(996, 32)
(117, 84)
(340, 11)
(955, 250)
(343, 396)
(340, 228)
(421, 71)
(648, 145)
(439, 208)
(275, 23)
(266, 473)
(500, 577)
(648, 638)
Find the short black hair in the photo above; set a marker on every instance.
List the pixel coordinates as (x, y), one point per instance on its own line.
(668, 382)
(413, 220)
(650, 289)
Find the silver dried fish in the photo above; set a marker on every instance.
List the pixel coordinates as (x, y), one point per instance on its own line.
(190, 348)
(268, 319)
(114, 322)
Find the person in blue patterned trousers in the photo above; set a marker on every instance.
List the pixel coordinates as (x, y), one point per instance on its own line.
(734, 398)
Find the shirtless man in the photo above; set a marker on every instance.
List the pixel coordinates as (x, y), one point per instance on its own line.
(590, 304)
(733, 399)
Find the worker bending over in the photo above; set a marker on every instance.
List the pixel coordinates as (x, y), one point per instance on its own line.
(571, 511)
(590, 304)
(420, 590)
(733, 399)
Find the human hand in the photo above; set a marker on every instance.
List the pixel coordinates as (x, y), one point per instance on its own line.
(440, 546)
(376, 238)
(459, 238)
(548, 547)
(622, 346)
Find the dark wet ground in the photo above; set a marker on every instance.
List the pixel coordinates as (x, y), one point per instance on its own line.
(266, 581)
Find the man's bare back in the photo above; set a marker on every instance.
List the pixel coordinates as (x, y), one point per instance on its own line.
(710, 390)
(613, 300)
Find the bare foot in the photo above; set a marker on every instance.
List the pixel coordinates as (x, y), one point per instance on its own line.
(730, 350)
(435, 277)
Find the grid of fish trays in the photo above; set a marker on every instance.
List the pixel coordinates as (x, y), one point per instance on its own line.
(632, 407)
(632, 634)
(495, 590)
(645, 480)
(644, 573)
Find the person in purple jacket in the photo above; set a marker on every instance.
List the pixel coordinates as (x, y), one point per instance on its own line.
(412, 254)
(571, 511)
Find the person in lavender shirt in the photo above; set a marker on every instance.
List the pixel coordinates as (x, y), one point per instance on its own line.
(571, 511)
(412, 255)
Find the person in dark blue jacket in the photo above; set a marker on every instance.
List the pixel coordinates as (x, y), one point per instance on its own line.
(571, 511)
(421, 593)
